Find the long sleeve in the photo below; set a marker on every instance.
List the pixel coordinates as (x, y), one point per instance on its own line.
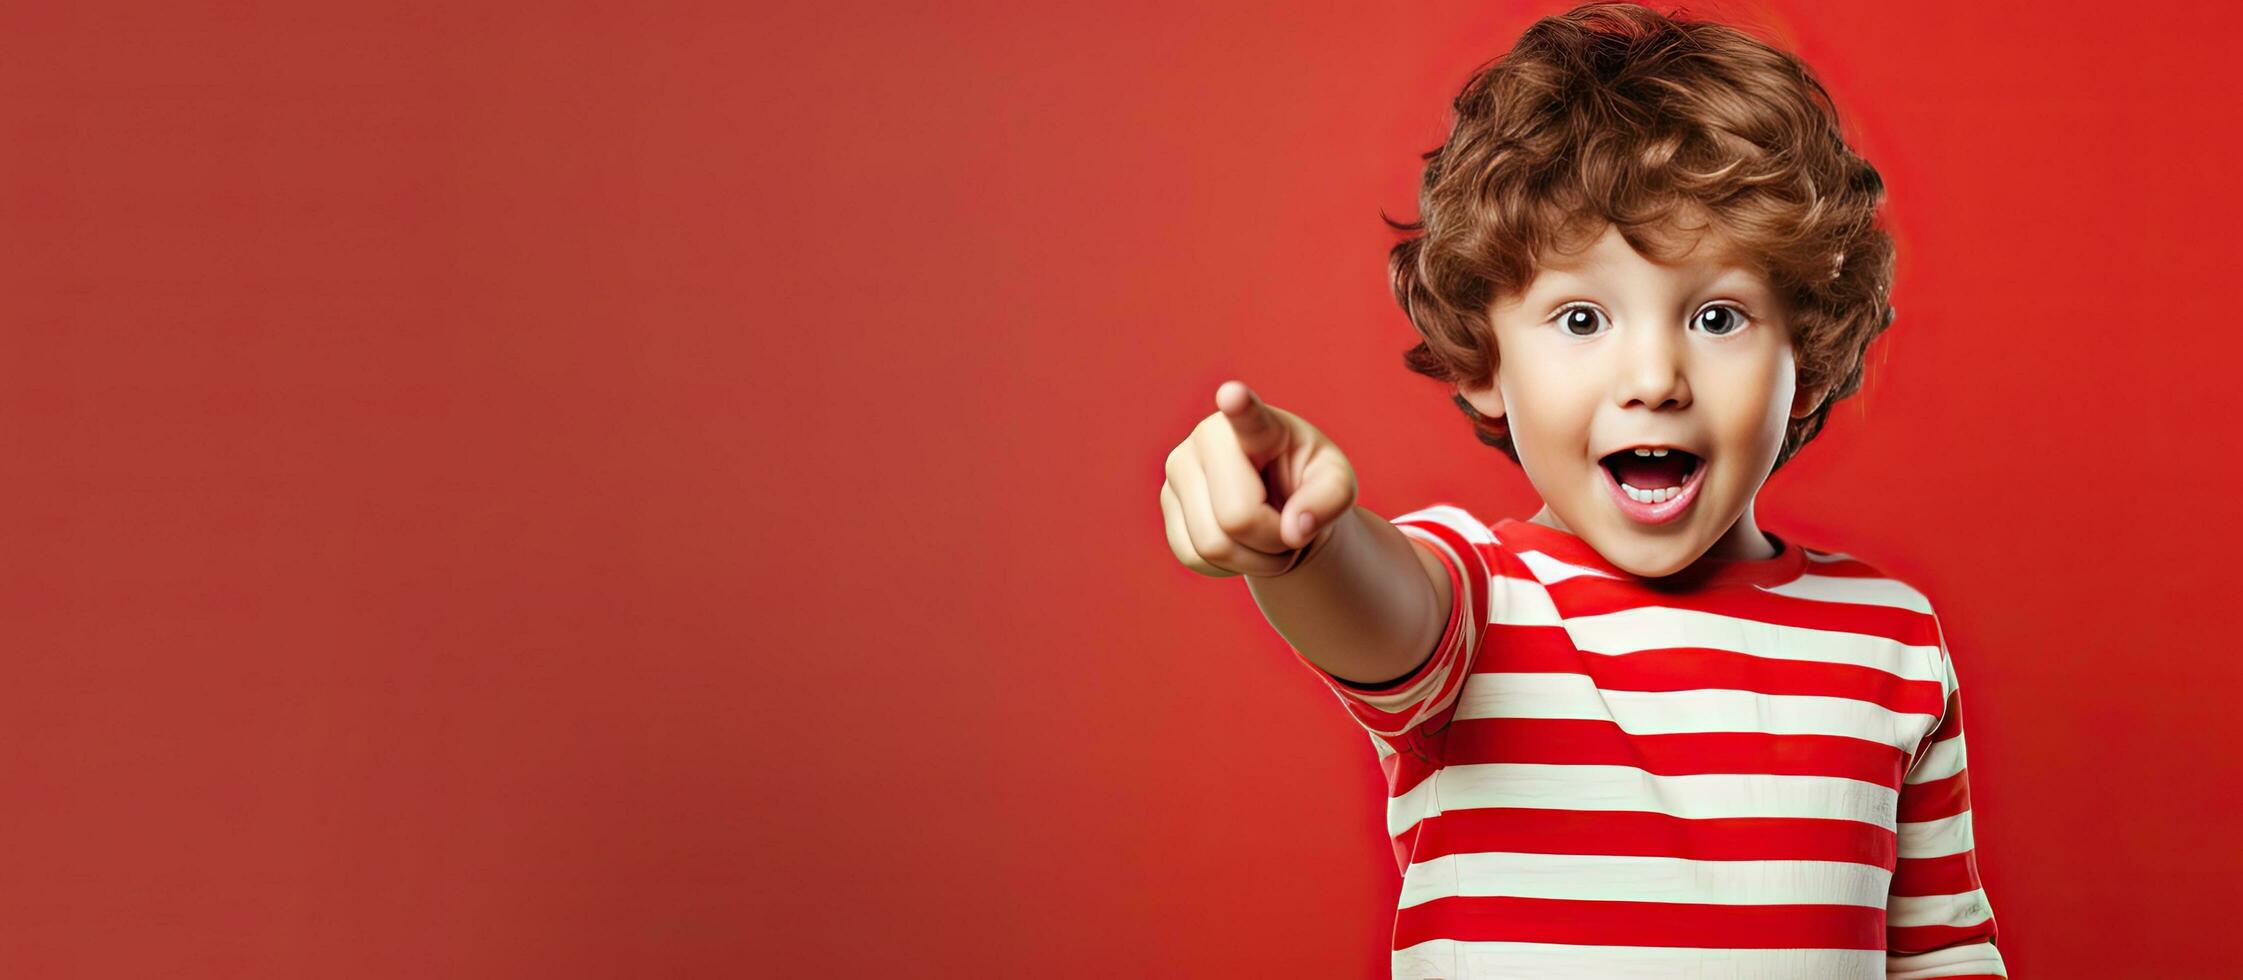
(1937, 920)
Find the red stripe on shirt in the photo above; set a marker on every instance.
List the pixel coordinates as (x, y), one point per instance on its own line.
(1598, 742)
(1948, 874)
(1588, 923)
(1547, 650)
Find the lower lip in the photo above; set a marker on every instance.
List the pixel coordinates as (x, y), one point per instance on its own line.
(1659, 513)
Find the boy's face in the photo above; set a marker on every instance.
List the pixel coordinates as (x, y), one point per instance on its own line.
(1607, 351)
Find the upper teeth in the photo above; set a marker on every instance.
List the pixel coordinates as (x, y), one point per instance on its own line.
(1651, 452)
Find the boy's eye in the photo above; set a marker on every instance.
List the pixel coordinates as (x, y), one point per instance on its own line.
(1578, 316)
(1728, 322)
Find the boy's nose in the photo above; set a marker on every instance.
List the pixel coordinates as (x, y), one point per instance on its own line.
(1651, 372)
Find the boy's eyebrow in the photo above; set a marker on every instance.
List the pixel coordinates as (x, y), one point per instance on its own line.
(1736, 276)
(1740, 276)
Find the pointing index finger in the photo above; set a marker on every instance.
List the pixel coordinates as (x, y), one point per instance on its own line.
(1259, 433)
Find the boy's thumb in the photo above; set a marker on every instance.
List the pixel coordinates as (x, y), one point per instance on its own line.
(1320, 501)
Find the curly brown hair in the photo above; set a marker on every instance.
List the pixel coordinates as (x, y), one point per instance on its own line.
(1612, 113)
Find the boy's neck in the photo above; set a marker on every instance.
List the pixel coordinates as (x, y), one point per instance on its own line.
(1743, 542)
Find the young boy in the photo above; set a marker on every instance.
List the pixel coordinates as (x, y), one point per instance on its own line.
(1650, 738)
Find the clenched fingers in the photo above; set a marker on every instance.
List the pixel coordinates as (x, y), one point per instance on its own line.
(1208, 539)
(1180, 543)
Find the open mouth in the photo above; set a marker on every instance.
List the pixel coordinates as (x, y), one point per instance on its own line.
(1657, 474)
(1653, 486)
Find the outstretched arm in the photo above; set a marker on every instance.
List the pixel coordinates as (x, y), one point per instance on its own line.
(1364, 604)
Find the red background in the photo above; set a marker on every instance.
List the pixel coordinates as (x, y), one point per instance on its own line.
(594, 490)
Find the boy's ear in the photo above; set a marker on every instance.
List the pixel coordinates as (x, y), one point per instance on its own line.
(1806, 400)
(1487, 401)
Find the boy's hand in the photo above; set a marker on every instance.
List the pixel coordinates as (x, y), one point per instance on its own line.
(1251, 487)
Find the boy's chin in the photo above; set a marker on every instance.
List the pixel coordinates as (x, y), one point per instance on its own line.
(1645, 552)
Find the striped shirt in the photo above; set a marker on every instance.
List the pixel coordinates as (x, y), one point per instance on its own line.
(1759, 773)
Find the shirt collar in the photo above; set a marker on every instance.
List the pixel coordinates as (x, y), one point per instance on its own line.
(1789, 562)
